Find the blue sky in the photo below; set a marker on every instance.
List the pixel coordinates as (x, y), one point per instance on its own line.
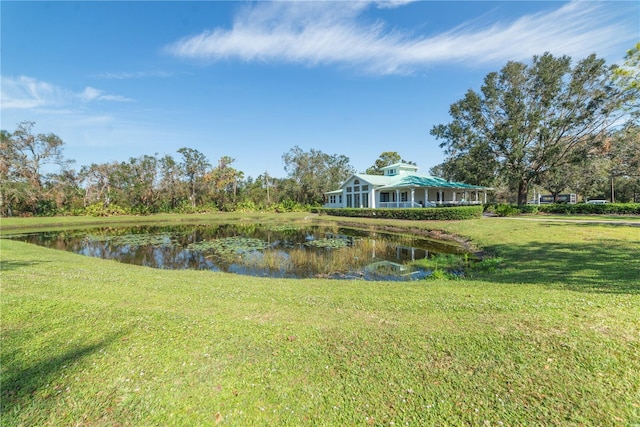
(251, 80)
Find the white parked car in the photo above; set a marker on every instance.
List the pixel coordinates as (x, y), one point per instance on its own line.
(597, 202)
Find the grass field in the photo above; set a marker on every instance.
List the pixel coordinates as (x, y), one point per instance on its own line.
(549, 336)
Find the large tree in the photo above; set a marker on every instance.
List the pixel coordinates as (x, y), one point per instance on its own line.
(171, 187)
(224, 181)
(99, 181)
(476, 166)
(627, 77)
(530, 117)
(138, 183)
(27, 161)
(314, 172)
(194, 166)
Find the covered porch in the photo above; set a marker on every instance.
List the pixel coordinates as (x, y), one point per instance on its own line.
(422, 197)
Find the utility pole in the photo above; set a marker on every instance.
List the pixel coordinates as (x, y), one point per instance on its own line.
(613, 198)
(266, 179)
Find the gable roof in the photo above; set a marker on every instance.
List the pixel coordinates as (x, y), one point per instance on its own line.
(375, 180)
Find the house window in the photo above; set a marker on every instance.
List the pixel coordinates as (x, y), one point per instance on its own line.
(332, 199)
(349, 201)
(384, 197)
(356, 200)
(356, 182)
(365, 200)
(356, 189)
(365, 188)
(404, 196)
(349, 189)
(340, 199)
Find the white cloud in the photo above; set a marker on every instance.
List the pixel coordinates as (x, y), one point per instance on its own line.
(134, 75)
(93, 94)
(90, 94)
(390, 4)
(313, 33)
(28, 93)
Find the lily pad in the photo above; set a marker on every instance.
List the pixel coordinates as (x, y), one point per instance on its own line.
(331, 243)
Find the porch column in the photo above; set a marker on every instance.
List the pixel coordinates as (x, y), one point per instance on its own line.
(477, 196)
(454, 195)
(397, 198)
(412, 193)
(426, 196)
(485, 197)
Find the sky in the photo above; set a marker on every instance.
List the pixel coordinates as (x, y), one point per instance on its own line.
(252, 80)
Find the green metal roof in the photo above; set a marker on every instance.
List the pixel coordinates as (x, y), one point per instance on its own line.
(428, 181)
(384, 182)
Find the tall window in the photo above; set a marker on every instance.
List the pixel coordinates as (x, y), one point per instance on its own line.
(360, 195)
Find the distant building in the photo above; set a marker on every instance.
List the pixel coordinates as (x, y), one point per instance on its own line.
(402, 187)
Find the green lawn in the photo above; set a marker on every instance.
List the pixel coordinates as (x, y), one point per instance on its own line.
(551, 336)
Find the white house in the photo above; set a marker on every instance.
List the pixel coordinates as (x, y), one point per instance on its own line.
(402, 187)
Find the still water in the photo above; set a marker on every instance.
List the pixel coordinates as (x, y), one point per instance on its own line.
(258, 250)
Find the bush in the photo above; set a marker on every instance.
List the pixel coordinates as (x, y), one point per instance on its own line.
(420, 214)
(507, 210)
(290, 206)
(529, 209)
(98, 209)
(588, 209)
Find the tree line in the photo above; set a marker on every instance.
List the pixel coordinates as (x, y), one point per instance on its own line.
(36, 179)
(546, 125)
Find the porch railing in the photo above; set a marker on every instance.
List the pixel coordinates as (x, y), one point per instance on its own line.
(400, 205)
(427, 204)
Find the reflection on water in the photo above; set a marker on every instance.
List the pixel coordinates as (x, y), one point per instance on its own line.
(257, 250)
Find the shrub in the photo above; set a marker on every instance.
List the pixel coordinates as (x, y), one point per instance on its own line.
(529, 209)
(419, 214)
(98, 209)
(586, 208)
(247, 206)
(290, 206)
(507, 210)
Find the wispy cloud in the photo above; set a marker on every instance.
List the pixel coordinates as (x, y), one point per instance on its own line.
(134, 75)
(93, 94)
(314, 33)
(27, 93)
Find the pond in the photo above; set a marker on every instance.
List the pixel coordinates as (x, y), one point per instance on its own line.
(292, 251)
